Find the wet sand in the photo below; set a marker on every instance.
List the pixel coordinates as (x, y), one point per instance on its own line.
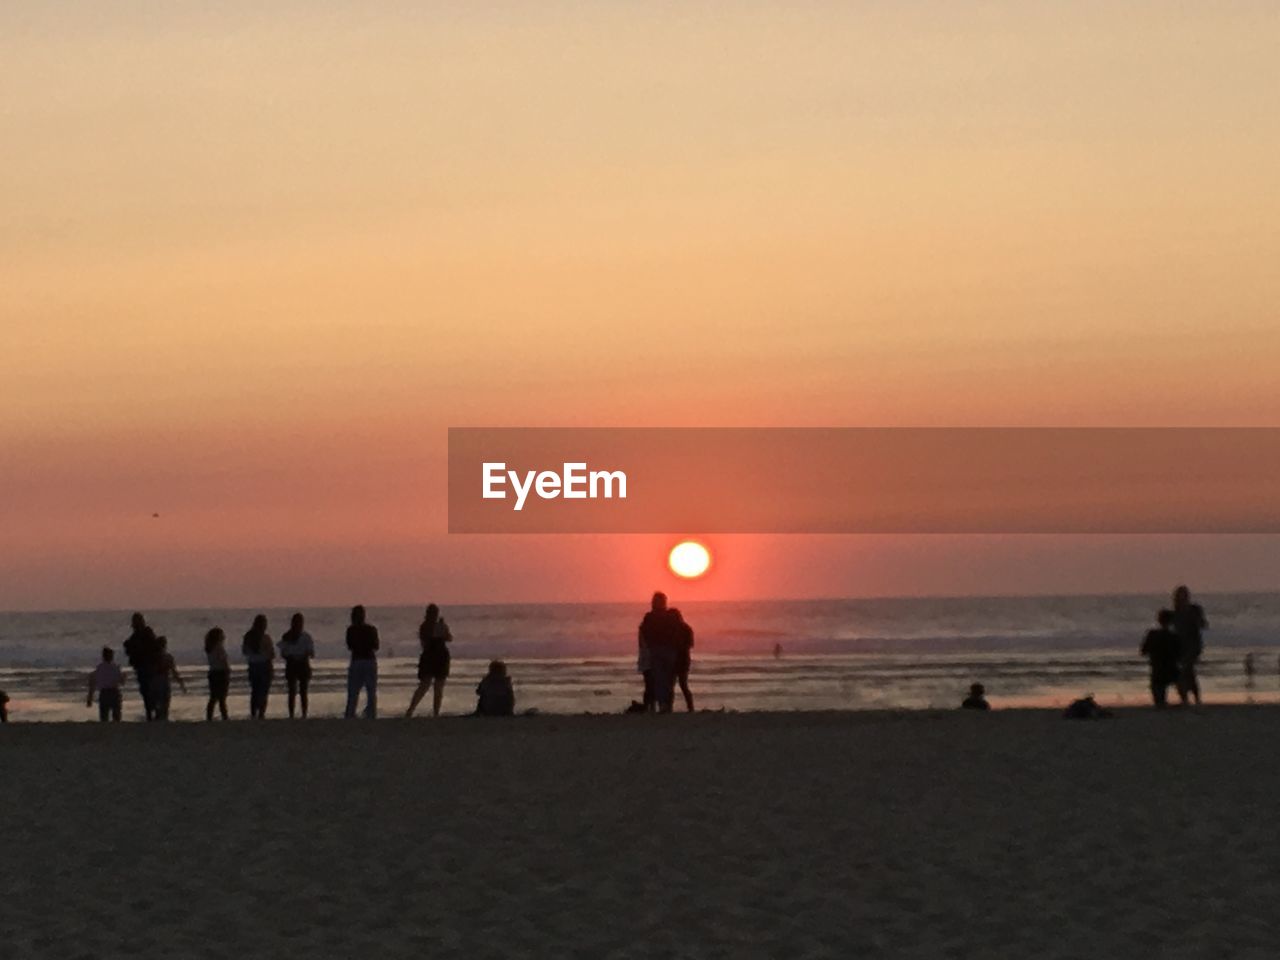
(1015, 834)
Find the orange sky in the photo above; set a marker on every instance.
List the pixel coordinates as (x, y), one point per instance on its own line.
(253, 265)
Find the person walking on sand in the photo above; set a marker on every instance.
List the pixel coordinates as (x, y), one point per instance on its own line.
(259, 653)
(362, 673)
(140, 651)
(684, 656)
(165, 670)
(215, 650)
(433, 663)
(1160, 647)
(106, 681)
(1189, 623)
(661, 633)
(297, 649)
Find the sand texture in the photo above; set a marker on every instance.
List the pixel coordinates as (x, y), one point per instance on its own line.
(1016, 834)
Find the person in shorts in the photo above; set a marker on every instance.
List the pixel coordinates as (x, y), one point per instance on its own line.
(107, 681)
(297, 649)
(215, 650)
(433, 664)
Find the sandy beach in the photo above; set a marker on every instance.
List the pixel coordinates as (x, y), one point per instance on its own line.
(1015, 834)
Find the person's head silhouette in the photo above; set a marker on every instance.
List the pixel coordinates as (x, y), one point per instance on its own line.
(659, 601)
(297, 623)
(357, 614)
(1181, 597)
(138, 621)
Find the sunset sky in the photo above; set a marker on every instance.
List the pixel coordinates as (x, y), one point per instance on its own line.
(254, 264)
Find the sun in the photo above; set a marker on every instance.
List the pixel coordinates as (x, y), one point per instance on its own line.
(689, 559)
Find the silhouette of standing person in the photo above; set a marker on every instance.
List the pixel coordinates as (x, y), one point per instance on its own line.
(362, 672)
(644, 667)
(684, 656)
(433, 664)
(215, 650)
(140, 650)
(258, 652)
(165, 670)
(661, 634)
(1189, 623)
(297, 648)
(106, 681)
(1160, 646)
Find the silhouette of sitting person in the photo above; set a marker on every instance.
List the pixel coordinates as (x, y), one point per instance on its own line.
(1162, 648)
(495, 695)
(1086, 708)
(977, 698)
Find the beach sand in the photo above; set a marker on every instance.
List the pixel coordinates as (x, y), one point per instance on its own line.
(1015, 834)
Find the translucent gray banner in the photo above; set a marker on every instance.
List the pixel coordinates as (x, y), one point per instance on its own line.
(864, 480)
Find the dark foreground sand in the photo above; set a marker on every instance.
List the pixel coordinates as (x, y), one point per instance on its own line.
(923, 835)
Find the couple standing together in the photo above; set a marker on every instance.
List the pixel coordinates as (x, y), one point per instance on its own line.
(1174, 648)
(666, 650)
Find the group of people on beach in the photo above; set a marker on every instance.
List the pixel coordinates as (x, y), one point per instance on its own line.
(1174, 647)
(155, 670)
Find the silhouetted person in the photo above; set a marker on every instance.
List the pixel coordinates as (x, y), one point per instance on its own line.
(1161, 647)
(107, 682)
(259, 652)
(1248, 668)
(684, 656)
(495, 697)
(433, 663)
(362, 673)
(141, 651)
(1188, 623)
(977, 698)
(644, 667)
(297, 648)
(777, 651)
(4, 707)
(1086, 708)
(662, 633)
(215, 650)
(165, 670)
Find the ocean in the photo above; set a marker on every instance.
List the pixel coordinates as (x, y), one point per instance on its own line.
(749, 655)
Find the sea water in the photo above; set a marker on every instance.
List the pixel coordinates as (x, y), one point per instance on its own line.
(748, 655)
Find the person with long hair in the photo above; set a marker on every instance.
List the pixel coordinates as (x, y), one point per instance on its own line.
(433, 664)
(297, 649)
(259, 652)
(362, 672)
(166, 669)
(215, 649)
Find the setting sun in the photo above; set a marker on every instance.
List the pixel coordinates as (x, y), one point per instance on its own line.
(689, 559)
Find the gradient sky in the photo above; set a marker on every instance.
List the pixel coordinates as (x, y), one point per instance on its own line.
(254, 263)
